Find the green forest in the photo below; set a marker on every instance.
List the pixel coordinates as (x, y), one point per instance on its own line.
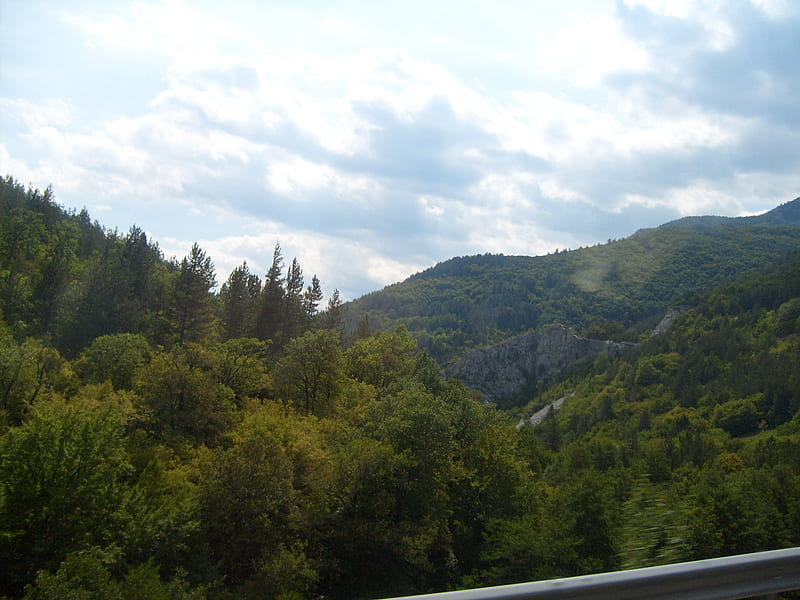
(613, 290)
(165, 436)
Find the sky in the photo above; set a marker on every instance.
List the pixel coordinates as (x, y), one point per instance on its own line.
(375, 139)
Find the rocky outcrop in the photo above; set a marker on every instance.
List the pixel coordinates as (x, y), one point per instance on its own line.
(672, 314)
(515, 368)
(540, 415)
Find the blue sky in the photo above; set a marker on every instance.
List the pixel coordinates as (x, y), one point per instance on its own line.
(376, 139)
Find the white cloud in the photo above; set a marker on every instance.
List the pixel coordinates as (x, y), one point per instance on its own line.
(334, 25)
(50, 113)
(591, 48)
(776, 9)
(696, 199)
(707, 15)
(171, 27)
(382, 268)
(296, 175)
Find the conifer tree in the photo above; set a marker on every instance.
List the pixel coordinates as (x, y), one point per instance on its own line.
(240, 297)
(293, 309)
(332, 318)
(139, 262)
(311, 299)
(193, 309)
(364, 329)
(269, 315)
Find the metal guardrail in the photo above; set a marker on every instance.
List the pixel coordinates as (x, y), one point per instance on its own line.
(729, 578)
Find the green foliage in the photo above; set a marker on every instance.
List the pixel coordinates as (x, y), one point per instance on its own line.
(654, 530)
(309, 372)
(680, 431)
(241, 364)
(260, 501)
(62, 485)
(239, 299)
(382, 358)
(25, 370)
(182, 392)
(604, 291)
(247, 503)
(64, 276)
(192, 300)
(116, 357)
(89, 575)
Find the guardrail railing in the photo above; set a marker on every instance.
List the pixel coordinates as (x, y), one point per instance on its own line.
(728, 578)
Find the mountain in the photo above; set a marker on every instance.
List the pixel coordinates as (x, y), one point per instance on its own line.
(730, 360)
(615, 290)
(785, 214)
(687, 446)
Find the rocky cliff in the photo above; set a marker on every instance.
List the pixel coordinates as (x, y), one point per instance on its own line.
(512, 370)
(672, 313)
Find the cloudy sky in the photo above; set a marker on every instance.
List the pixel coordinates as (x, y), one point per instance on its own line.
(374, 139)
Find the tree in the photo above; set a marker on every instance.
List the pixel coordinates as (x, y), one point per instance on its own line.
(367, 487)
(311, 299)
(239, 297)
(268, 323)
(246, 501)
(652, 532)
(62, 485)
(89, 575)
(262, 501)
(363, 330)
(241, 366)
(382, 358)
(17, 380)
(392, 501)
(193, 308)
(183, 392)
(116, 357)
(25, 370)
(492, 478)
(309, 373)
(55, 271)
(588, 496)
(294, 315)
(142, 264)
(332, 317)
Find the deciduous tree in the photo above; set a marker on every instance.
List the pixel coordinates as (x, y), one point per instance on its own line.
(308, 375)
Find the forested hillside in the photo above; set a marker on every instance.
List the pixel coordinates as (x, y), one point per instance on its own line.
(695, 435)
(66, 278)
(160, 439)
(601, 291)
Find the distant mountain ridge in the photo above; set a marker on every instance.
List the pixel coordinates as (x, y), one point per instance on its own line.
(785, 214)
(613, 291)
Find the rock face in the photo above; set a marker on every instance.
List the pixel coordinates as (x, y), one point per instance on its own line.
(540, 415)
(513, 369)
(672, 314)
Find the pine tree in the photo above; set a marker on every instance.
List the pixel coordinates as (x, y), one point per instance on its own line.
(311, 299)
(240, 296)
(364, 330)
(332, 317)
(192, 304)
(293, 310)
(268, 323)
